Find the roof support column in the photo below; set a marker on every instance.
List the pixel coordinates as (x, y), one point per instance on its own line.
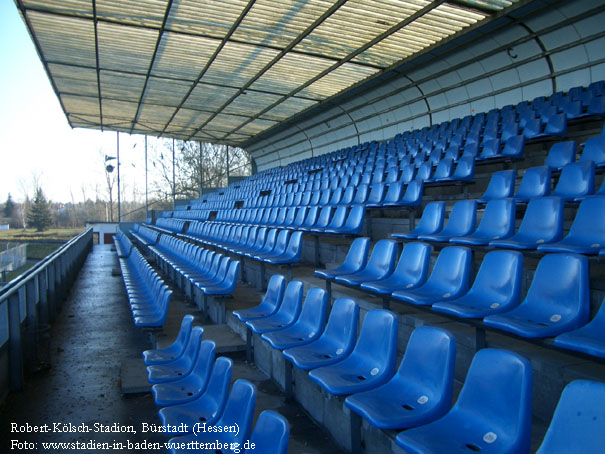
(119, 194)
(146, 190)
(201, 171)
(173, 179)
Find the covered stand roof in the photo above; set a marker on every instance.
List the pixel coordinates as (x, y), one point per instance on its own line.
(226, 70)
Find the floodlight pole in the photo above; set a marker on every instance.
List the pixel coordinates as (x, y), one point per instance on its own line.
(119, 196)
(201, 172)
(173, 186)
(146, 192)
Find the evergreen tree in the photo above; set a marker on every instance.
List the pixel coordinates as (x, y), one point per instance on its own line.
(38, 215)
(9, 207)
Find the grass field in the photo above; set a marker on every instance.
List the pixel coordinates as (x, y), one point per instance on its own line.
(37, 249)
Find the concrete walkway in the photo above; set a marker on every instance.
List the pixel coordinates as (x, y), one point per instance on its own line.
(91, 337)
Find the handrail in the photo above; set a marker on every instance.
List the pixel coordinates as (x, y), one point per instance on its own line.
(14, 285)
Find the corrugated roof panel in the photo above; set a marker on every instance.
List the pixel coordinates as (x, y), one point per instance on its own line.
(277, 23)
(151, 114)
(76, 7)
(187, 118)
(181, 56)
(357, 23)
(148, 13)
(224, 123)
(256, 126)
(84, 121)
(78, 81)
(237, 63)
(165, 92)
(208, 18)
(287, 108)
(122, 86)
(291, 71)
(337, 80)
(489, 5)
(116, 109)
(64, 39)
(208, 97)
(81, 105)
(250, 103)
(125, 48)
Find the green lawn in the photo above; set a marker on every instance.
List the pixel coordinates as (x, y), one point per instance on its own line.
(23, 236)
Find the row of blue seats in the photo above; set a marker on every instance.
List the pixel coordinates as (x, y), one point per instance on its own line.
(557, 302)
(148, 295)
(192, 386)
(343, 220)
(211, 273)
(145, 235)
(123, 244)
(418, 395)
(273, 246)
(541, 227)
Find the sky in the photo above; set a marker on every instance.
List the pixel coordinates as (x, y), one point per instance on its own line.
(36, 142)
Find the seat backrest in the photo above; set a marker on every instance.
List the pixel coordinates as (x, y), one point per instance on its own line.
(543, 219)
(452, 270)
(535, 183)
(314, 311)
(383, 257)
(239, 409)
(498, 219)
(428, 365)
(465, 169)
(432, 217)
(500, 278)
(193, 346)
(218, 383)
(376, 193)
(376, 348)
(560, 289)
(413, 266)
(594, 150)
(462, 219)
(271, 434)
(501, 184)
(514, 147)
(354, 222)
(203, 363)
(577, 424)
(498, 391)
(561, 154)
(394, 192)
(361, 195)
(275, 292)
(292, 302)
(589, 223)
(185, 331)
(413, 193)
(576, 180)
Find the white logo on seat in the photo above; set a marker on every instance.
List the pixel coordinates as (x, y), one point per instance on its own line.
(447, 295)
(494, 305)
(540, 241)
(409, 286)
(374, 371)
(339, 351)
(422, 400)
(555, 318)
(490, 437)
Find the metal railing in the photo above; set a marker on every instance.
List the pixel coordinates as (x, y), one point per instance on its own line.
(29, 303)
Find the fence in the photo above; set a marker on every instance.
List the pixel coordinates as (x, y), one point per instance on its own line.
(13, 258)
(28, 305)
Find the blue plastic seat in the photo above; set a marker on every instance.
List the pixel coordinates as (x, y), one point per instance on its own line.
(587, 233)
(421, 390)
(175, 350)
(561, 154)
(461, 222)
(497, 287)
(180, 367)
(411, 271)
(589, 339)
(465, 170)
(271, 434)
(380, 265)
(291, 254)
(430, 222)
(498, 222)
(444, 170)
(353, 223)
(376, 195)
(501, 185)
(207, 407)
(370, 364)
(411, 198)
(308, 327)
(577, 424)
(594, 150)
(336, 342)
(448, 280)
(557, 300)
(542, 223)
(492, 414)
(239, 411)
(286, 315)
(323, 220)
(535, 183)
(576, 181)
(270, 303)
(190, 386)
(356, 260)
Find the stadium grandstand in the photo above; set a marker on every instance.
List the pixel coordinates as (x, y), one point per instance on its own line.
(415, 266)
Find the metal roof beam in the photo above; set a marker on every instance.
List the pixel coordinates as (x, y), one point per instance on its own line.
(97, 69)
(320, 20)
(349, 57)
